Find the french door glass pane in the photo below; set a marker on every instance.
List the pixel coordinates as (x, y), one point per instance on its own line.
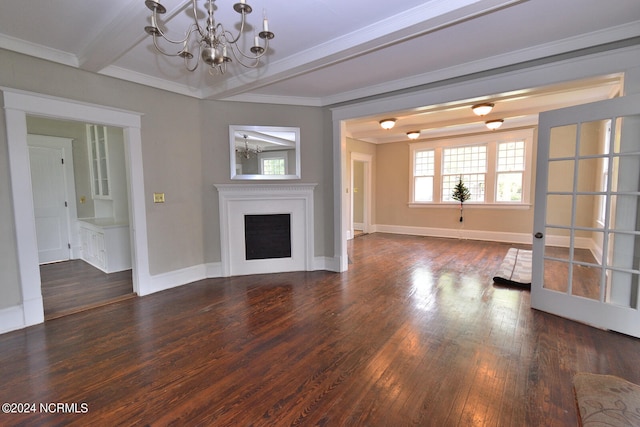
(587, 211)
(556, 275)
(589, 175)
(594, 138)
(626, 173)
(622, 288)
(586, 281)
(557, 243)
(624, 251)
(559, 209)
(563, 142)
(627, 131)
(623, 212)
(561, 175)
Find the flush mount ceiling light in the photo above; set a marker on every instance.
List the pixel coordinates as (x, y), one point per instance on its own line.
(482, 109)
(211, 42)
(494, 124)
(414, 134)
(387, 123)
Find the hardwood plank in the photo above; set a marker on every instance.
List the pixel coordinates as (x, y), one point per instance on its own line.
(415, 333)
(72, 286)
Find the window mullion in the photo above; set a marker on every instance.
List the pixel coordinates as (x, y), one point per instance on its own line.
(491, 177)
(437, 175)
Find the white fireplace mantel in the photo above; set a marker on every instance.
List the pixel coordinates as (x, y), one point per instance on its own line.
(238, 200)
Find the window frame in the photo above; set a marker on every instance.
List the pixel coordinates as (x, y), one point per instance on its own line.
(271, 155)
(491, 141)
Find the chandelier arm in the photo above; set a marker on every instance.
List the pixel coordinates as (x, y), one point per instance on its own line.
(242, 22)
(195, 18)
(164, 35)
(241, 59)
(243, 56)
(162, 51)
(186, 61)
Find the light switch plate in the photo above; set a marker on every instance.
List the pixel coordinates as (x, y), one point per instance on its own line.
(158, 197)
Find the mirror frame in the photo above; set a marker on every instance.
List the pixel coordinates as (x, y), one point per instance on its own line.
(232, 151)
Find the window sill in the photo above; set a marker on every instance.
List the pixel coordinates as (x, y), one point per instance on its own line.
(511, 206)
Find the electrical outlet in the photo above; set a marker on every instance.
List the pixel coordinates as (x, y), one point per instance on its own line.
(158, 197)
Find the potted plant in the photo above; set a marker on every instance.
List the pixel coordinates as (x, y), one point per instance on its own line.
(461, 193)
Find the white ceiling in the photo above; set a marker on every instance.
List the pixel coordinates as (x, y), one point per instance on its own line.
(331, 51)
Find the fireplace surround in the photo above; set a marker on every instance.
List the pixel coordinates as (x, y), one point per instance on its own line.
(239, 201)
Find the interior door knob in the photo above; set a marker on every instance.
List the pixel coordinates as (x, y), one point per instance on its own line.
(538, 235)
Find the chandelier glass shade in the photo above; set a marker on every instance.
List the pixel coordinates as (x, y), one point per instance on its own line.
(212, 43)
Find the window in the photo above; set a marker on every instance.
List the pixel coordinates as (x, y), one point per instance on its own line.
(496, 169)
(273, 166)
(466, 163)
(423, 176)
(273, 163)
(510, 171)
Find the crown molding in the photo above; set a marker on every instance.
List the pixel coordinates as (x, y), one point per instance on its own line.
(38, 51)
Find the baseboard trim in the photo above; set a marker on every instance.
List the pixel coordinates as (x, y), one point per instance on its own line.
(30, 312)
(173, 279)
(326, 263)
(11, 319)
(459, 233)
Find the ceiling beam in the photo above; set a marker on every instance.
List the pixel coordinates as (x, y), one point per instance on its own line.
(414, 22)
(122, 34)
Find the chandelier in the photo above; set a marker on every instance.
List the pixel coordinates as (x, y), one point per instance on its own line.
(213, 44)
(246, 152)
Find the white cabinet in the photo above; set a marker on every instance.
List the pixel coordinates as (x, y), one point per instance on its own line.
(99, 161)
(106, 244)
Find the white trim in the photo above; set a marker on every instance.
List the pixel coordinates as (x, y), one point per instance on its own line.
(12, 318)
(18, 104)
(614, 61)
(213, 270)
(175, 278)
(603, 63)
(471, 205)
(491, 141)
(237, 199)
(326, 263)
(367, 159)
(456, 233)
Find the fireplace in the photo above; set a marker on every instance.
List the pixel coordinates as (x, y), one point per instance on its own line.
(266, 228)
(267, 236)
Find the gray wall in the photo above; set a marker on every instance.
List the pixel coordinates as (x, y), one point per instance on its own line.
(185, 151)
(315, 158)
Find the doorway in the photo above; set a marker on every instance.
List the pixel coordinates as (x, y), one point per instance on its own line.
(361, 193)
(71, 278)
(18, 105)
(587, 233)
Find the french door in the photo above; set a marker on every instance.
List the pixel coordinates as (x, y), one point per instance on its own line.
(586, 250)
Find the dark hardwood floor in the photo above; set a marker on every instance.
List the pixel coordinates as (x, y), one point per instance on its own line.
(72, 286)
(415, 333)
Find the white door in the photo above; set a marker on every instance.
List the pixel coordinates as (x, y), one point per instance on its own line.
(586, 250)
(50, 202)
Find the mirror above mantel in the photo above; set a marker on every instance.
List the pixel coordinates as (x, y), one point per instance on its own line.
(264, 152)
